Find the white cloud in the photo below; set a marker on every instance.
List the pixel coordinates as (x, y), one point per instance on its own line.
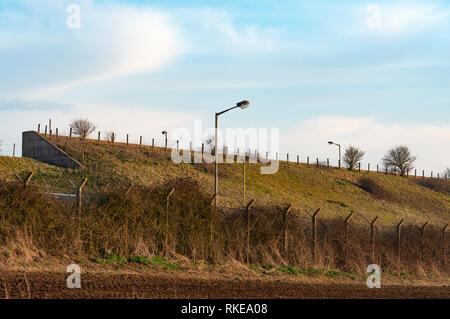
(428, 142)
(114, 40)
(407, 17)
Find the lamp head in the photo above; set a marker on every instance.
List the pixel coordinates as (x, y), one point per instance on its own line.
(330, 142)
(243, 104)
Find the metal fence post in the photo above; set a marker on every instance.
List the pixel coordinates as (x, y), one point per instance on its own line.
(286, 212)
(247, 211)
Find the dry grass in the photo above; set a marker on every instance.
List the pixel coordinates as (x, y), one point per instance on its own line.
(34, 225)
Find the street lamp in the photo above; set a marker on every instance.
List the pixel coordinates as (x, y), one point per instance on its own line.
(165, 135)
(332, 143)
(242, 105)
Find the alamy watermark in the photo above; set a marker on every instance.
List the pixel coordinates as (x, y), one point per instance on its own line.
(261, 140)
(74, 16)
(374, 279)
(74, 280)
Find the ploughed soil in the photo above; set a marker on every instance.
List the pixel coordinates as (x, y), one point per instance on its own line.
(52, 284)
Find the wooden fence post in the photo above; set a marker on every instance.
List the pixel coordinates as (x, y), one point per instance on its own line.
(359, 167)
(328, 162)
(368, 167)
(153, 142)
(166, 235)
(203, 149)
(423, 174)
(45, 132)
(287, 158)
(422, 234)
(140, 141)
(127, 139)
(415, 173)
(286, 212)
(307, 160)
(39, 128)
(70, 133)
(14, 150)
(298, 159)
(378, 166)
(247, 211)
(98, 137)
(317, 162)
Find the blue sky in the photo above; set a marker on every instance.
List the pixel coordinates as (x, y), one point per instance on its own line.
(317, 70)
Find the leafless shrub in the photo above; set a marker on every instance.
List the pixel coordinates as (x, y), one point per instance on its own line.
(371, 186)
(352, 157)
(399, 160)
(82, 127)
(210, 144)
(437, 185)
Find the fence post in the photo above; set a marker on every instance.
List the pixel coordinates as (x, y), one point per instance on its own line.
(307, 160)
(79, 190)
(444, 243)
(314, 233)
(211, 228)
(415, 173)
(140, 141)
(359, 167)
(14, 150)
(423, 174)
(378, 168)
(346, 229)
(127, 139)
(399, 238)
(328, 162)
(50, 134)
(287, 158)
(45, 132)
(286, 212)
(298, 159)
(153, 142)
(166, 235)
(372, 238)
(422, 233)
(317, 162)
(27, 179)
(431, 174)
(39, 128)
(247, 211)
(203, 150)
(368, 167)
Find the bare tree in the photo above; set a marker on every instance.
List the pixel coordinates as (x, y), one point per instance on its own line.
(82, 127)
(111, 136)
(446, 173)
(352, 157)
(210, 142)
(399, 160)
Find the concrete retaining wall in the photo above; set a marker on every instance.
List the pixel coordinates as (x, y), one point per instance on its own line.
(39, 148)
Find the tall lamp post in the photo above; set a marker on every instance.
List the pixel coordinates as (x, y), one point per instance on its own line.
(332, 143)
(242, 105)
(165, 135)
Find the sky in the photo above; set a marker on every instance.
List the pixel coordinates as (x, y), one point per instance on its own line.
(374, 74)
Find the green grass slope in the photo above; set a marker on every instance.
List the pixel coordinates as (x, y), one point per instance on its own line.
(335, 191)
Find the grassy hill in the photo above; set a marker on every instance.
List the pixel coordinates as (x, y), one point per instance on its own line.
(335, 191)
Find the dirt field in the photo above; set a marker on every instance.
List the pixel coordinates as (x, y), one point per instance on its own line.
(39, 284)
